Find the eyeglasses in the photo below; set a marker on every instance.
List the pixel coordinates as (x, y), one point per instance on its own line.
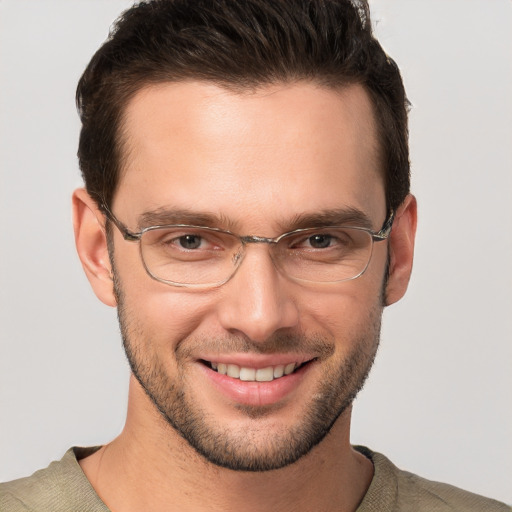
(204, 257)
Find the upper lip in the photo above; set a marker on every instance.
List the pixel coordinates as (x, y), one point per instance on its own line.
(257, 360)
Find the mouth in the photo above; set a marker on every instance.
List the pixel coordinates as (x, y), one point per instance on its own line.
(257, 380)
(248, 374)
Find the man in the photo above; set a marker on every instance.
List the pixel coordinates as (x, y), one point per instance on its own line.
(247, 210)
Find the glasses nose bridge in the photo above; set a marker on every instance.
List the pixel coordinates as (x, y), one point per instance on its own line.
(250, 239)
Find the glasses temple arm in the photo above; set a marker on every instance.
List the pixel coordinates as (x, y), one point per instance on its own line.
(127, 234)
(386, 228)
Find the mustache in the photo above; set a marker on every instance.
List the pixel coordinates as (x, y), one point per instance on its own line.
(277, 343)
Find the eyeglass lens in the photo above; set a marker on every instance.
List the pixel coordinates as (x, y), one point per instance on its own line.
(200, 256)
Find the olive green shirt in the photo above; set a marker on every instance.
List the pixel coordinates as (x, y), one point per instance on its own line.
(63, 487)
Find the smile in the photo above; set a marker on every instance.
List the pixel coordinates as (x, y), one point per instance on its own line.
(256, 380)
(248, 374)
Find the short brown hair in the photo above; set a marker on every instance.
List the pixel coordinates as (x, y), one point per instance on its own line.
(238, 44)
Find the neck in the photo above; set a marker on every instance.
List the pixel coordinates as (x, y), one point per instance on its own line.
(148, 468)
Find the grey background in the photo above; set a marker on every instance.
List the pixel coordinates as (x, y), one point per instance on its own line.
(439, 399)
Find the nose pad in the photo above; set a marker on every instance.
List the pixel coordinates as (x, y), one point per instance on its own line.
(238, 256)
(236, 260)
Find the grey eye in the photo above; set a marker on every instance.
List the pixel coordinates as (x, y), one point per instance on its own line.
(190, 241)
(320, 241)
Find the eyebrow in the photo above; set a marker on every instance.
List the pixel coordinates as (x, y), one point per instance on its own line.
(332, 217)
(329, 217)
(170, 216)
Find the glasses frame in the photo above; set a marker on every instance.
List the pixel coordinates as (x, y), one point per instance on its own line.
(131, 236)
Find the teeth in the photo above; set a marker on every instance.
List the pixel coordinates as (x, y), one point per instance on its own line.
(278, 371)
(247, 374)
(289, 368)
(252, 374)
(233, 371)
(265, 374)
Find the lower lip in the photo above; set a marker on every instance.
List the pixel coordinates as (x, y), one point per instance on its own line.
(257, 393)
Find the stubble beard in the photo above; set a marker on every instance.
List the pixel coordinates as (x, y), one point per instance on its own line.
(253, 448)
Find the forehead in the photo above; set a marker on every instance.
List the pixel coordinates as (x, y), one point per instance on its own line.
(278, 151)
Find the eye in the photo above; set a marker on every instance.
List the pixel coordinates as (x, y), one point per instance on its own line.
(180, 245)
(200, 241)
(190, 241)
(183, 239)
(320, 241)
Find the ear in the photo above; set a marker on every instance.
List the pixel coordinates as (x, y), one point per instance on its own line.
(401, 250)
(91, 245)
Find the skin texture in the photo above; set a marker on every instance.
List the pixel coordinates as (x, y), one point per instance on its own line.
(256, 161)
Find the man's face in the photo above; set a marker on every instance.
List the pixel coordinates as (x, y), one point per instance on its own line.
(254, 163)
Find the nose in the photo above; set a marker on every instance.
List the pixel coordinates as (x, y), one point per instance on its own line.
(257, 301)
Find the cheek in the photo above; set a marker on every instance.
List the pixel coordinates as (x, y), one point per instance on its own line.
(170, 315)
(155, 311)
(344, 312)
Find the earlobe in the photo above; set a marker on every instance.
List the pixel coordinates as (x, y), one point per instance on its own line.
(401, 250)
(91, 245)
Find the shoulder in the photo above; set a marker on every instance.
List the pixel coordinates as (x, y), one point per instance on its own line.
(417, 490)
(396, 490)
(62, 486)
